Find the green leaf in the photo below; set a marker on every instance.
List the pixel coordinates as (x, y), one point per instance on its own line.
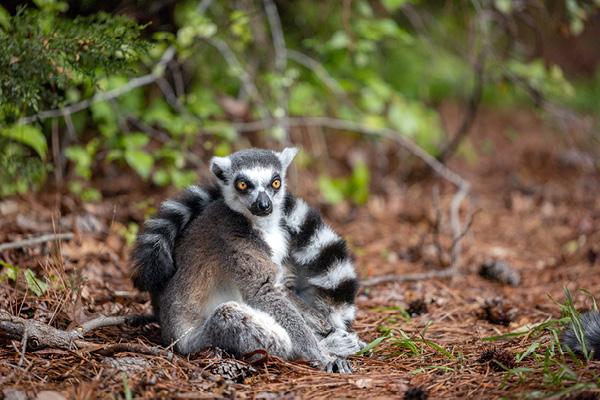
(359, 183)
(36, 285)
(140, 161)
(135, 140)
(393, 5)
(504, 6)
(373, 344)
(527, 352)
(82, 159)
(27, 135)
(10, 271)
(332, 189)
(161, 177)
(4, 19)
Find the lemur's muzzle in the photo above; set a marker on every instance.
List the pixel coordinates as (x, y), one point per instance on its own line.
(262, 206)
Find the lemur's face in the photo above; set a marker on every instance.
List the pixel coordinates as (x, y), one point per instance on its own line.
(253, 180)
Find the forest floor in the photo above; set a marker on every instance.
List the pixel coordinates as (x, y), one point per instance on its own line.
(538, 211)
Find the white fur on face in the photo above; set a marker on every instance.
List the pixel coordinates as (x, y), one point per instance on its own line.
(260, 177)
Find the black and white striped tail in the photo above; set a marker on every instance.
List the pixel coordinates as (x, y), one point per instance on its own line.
(590, 324)
(321, 255)
(152, 254)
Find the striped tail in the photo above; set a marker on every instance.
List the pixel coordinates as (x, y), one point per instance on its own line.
(152, 255)
(590, 328)
(322, 257)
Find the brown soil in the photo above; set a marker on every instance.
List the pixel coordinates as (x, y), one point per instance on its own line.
(538, 214)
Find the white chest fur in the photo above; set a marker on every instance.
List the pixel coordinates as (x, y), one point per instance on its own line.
(277, 239)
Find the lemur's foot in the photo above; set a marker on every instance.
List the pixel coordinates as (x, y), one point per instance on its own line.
(339, 365)
(341, 343)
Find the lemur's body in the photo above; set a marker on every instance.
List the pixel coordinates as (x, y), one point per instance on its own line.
(224, 293)
(313, 264)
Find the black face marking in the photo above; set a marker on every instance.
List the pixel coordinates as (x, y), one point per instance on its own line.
(242, 178)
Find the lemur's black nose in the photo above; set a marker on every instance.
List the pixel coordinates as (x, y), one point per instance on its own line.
(262, 206)
(263, 202)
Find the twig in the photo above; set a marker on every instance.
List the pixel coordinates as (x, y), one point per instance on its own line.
(231, 60)
(321, 72)
(444, 273)
(46, 335)
(104, 321)
(470, 114)
(203, 6)
(455, 248)
(23, 347)
(280, 63)
(437, 224)
(169, 94)
(339, 124)
(135, 83)
(17, 244)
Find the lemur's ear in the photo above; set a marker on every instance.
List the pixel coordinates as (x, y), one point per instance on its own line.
(220, 167)
(286, 156)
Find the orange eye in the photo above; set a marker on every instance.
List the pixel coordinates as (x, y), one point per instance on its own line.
(241, 185)
(276, 184)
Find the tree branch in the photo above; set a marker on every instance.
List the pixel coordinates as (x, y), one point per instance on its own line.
(249, 86)
(17, 244)
(280, 63)
(135, 83)
(46, 335)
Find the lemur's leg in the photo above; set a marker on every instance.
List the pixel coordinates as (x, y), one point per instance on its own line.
(152, 254)
(325, 275)
(238, 329)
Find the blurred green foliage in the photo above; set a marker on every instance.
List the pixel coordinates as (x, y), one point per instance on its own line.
(386, 63)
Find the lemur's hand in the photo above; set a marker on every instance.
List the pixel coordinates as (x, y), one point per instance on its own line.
(341, 343)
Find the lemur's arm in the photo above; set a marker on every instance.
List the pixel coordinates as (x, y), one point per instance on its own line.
(152, 254)
(325, 275)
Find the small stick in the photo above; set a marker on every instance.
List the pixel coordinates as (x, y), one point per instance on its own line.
(23, 347)
(17, 244)
(444, 273)
(104, 321)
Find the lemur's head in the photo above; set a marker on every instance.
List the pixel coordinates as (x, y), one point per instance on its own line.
(253, 180)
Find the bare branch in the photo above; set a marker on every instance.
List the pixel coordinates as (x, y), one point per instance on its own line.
(104, 321)
(339, 124)
(280, 62)
(17, 244)
(46, 335)
(321, 72)
(277, 35)
(231, 60)
(378, 280)
(23, 347)
(135, 83)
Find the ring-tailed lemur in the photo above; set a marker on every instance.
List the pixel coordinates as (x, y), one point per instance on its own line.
(313, 260)
(224, 292)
